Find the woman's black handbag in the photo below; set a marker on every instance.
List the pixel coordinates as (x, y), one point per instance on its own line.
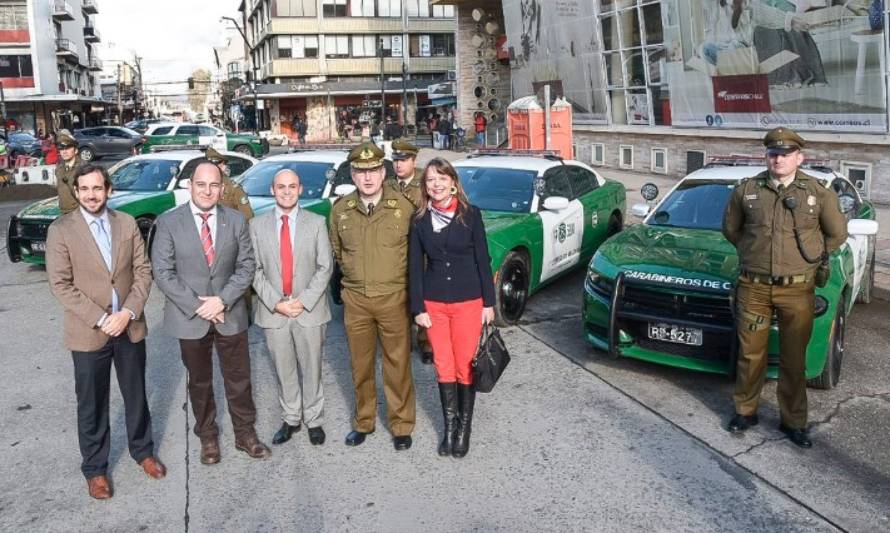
(491, 359)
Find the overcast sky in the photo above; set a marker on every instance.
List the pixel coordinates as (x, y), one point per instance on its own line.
(174, 37)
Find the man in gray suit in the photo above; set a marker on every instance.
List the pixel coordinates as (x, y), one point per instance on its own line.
(293, 267)
(203, 263)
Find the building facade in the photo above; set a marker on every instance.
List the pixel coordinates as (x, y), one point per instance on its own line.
(343, 65)
(48, 65)
(662, 85)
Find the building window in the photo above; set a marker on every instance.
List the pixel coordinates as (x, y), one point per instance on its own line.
(361, 8)
(389, 8)
(695, 159)
(659, 160)
(626, 159)
(859, 174)
(443, 11)
(336, 46)
(392, 45)
(16, 66)
(597, 153)
(432, 45)
(296, 8)
(417, 8)
(364, 46)
(14, 17)
(334, 8)
(297, 46)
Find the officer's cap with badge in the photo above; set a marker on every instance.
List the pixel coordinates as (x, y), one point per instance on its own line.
(402, 149)
(65, 139)
(782, 141)
(214, 157)
(366, 156)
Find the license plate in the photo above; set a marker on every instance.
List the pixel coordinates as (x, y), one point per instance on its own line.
(38, 246)
(677, 334)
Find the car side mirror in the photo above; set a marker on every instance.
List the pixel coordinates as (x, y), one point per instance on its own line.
(344, 189)
(846, 202)
(556, 203)
(183, 183)
(640, 210)
(861, 226)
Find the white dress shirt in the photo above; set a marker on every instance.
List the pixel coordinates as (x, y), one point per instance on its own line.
(115, 299)
(199, 222)
(291, 222)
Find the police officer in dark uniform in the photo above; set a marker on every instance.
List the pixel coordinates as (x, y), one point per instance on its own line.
(65, 169)
(232, 195)
(408, 181)
(369, 231)
(783, 224)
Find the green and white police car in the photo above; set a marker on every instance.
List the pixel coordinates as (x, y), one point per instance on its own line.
(543, 216)
(185, 135)
(663, 291)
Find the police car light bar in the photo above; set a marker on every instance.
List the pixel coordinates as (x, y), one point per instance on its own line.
(751, 160)
(516, 153)
(175, 147)
(312, 147)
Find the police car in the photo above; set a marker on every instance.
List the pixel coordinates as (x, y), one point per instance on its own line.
(663, 291)
(144, 186)
(543, 216)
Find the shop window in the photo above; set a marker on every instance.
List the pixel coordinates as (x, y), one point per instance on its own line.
(597, 153)
(334, 8)
(659, 160)
(859, 174)
(626, 156)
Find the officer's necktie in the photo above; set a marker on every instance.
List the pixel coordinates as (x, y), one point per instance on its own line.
(287, 258)
(207, 238)
(103, 240)
(403, 186)
(371, 209)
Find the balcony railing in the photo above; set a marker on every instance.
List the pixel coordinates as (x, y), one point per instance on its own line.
(90, 7)
(91, 34)
(95, 63)
(66, 47)
(62, 10)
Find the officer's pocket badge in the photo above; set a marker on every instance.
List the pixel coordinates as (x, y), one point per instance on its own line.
(750, 197)
(811, 200)
(397, 213)
(391, 203)
(244, 200)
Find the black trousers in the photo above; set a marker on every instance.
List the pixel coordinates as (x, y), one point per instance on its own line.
(92, 383)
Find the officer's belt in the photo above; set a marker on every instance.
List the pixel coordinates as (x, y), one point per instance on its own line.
(775, 280)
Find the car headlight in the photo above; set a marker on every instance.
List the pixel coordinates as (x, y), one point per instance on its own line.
(820, 306)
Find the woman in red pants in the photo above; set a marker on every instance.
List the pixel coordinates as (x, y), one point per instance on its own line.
(452, 293)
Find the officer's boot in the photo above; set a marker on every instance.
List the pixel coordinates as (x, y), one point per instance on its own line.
(466, 397)
(448, 396)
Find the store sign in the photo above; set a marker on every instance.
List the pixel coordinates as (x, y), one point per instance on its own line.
(440, 90)
(305, 87)
(741, 94)
(397, 46)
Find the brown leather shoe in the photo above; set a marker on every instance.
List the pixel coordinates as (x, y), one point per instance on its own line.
(209, 451)
(154, 468)
(253, 447)
(99, 487)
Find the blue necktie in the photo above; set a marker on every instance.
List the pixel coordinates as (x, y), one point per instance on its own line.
(104, 242)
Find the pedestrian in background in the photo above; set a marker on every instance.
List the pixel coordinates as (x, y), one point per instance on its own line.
(293, 268)
(103, 295)
(65, 171)
(452, 293)
(480, 123)
(777, 271)
(444, 133)
(203, 263)
(369, 235)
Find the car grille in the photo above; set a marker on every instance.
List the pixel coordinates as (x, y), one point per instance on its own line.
(31, 230)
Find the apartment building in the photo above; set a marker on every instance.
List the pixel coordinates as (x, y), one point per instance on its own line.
(229, 75)
(341, 64)
(48, 65)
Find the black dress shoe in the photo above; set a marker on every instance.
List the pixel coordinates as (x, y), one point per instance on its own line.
(283, 435)
(426, 358)
(356, 437)
(740, 423)
(316, 436)
(401, 443)
(798, 436)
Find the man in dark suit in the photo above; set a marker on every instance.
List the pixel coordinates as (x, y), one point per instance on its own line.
(203, 263)
(97, 269)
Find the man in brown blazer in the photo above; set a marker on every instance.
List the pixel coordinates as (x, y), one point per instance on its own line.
(98, 270)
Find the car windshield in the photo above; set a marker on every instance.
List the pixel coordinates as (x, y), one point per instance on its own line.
(697, 204)
(145, 175)
(498, 189)
(258, 180)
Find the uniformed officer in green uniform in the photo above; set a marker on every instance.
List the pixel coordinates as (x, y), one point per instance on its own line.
(777, 273)
(369, 236)
(232, 195)
(65, 170)
(408, 181)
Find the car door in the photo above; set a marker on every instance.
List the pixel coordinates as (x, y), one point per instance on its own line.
(187, 135)
(596, 211)
(859, 244)
(118, 142)
(208, 136)
(563, 229)
(181, 193)
(238, 165)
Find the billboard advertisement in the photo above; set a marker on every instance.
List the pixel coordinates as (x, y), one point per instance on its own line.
(550, 42)
(809, 64)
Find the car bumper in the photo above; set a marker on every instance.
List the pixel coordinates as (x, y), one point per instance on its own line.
(26, 240)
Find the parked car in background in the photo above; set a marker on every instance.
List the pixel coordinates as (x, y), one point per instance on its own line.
(105, 141)
(185, 135)
(142, 124)
(19, 143)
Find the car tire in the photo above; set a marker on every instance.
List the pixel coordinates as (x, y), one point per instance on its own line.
(831, 372)
(511, 289)
(867, 284)
(146, 225)
(243, 149)
(87, 154)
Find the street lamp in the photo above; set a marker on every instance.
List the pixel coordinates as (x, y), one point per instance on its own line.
(256, 111)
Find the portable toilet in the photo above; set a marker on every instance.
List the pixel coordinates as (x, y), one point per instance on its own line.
(525, 123)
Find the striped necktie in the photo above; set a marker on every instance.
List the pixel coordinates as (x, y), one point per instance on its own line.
(207, 238)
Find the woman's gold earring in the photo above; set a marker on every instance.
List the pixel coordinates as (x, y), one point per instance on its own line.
(453, 190)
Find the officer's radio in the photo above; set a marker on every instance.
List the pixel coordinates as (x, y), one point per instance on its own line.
(823, 271)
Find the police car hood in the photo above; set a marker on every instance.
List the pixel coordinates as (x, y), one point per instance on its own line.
(674, 257)
(49, 208)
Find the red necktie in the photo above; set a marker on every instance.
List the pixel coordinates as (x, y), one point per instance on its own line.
(207, 238)
(287, 258)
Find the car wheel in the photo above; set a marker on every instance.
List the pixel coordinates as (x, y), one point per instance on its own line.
(145, 224)
(87, 154)
(511, 290)
(615, 225)
(867, 283)
(243, 149)
(831, 372)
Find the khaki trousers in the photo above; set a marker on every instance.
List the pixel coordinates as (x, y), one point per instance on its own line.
(793, 305)
(368, 319)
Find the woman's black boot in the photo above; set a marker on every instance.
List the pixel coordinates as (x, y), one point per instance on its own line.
(448, 396)
(466, 397)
